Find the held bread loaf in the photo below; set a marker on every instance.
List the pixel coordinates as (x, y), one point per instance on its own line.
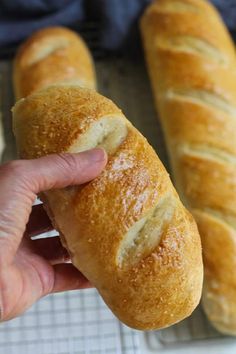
(192, 66)
(49, 56)
(127, 230)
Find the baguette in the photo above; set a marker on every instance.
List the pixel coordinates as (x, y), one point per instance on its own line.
(127, 230)
(52, 55)
(192, 66)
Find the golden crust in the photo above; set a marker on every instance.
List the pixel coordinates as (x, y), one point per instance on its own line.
(219, 249)
(52, 55)
(207, 121)
(204, 189)
(161, 283)
(192, 66)
(58, 131)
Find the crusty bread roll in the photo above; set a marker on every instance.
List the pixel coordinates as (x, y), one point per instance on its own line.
(192, 66)
(49, 56)
(127, 230)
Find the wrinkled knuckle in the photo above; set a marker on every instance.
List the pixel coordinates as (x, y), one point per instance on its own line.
(16, 167)
(70, 162)
(20, 174)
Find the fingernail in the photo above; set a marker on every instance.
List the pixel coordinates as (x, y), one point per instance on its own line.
(95, 155)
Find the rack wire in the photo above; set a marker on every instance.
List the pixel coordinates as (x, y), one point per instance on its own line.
(76, 322)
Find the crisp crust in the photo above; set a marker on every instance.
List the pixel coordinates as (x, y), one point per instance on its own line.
(68, 114)
(159, 285)
(192, 66)
(219, 249)
(52, 55)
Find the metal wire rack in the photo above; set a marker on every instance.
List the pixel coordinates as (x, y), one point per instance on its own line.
(68, 323)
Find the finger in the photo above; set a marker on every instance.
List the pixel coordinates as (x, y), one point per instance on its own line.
(35, 282)
(58, 171)
(67, 277)
(21, 181)
(39, 222)
(49, 248)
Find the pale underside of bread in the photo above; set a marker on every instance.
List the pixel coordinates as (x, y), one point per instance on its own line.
(127, 230)
(192, 66)
(53, 55)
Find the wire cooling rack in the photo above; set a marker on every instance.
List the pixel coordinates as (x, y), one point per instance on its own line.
(76, 322)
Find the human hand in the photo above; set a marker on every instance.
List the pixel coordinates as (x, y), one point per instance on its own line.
(32, 269)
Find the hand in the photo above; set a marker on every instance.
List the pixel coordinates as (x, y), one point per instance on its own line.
(31, 269)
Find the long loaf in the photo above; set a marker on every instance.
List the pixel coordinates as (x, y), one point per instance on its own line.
(127, 230)
(54, 55)
(192, 66)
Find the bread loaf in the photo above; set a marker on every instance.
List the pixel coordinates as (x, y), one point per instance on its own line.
(192, 66)
(127, 230)
(49, 56)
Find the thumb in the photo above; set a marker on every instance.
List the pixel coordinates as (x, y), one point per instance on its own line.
(22, 180)
(59, 171)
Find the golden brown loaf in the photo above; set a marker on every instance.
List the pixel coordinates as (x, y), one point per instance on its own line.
(49, 56)
(192, 66)
(127, 230)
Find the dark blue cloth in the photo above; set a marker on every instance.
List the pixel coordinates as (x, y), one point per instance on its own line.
(227, 9)
(19, 18)
(117, 18)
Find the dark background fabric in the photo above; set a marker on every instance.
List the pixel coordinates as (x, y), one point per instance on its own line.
(117, 19)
